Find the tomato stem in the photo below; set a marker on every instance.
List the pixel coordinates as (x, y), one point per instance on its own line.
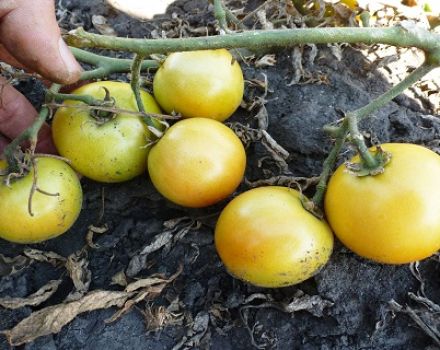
(136, 81)
(136, 85)
(87, 99)
(350, 124)
(367, 159)
(401, 35)
(29, 134)
(108, 65)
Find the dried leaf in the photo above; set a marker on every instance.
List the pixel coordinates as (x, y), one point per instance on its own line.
(427, 320)
(176, 230)
(91, 232)
(138, 262)
(268, 60)
(48, 257)
(53, 318)
(100, 24)
(299, 182)
(196, 333)
(145, 283)
(10, 266)
(77, 266)
(148, 289)
(300, 302)
(120, 279)
(156, 318)
(336, 51)
(34, 299)
(147, 294)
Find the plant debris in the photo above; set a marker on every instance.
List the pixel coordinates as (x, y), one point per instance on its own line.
(34, 299)
(77, 266)
(176, 229)
(52, 318)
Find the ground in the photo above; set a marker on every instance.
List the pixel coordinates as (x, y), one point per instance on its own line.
(350, 304)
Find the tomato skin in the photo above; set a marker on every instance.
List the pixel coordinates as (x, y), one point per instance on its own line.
(53, 215)
(111, 152)
(197, 162)
(205, 84)
(265, 237)
(393, 217)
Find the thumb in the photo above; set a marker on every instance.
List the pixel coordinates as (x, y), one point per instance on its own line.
(30, 33)
(16, 114)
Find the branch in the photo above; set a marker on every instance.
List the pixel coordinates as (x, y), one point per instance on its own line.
(29, 134)
(108, 65)
(401, 35)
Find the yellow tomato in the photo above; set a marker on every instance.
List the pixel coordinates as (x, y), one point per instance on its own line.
(352, 4)
(52, 215)
(197, 162)
(112, 151)
(393, 217)
(206, 84)
(265, 237)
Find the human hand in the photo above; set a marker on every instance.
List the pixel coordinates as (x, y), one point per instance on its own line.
(30, 38)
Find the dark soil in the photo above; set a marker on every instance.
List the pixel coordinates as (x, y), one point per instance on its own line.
(359, 290)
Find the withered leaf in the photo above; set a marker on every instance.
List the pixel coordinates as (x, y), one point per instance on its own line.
(48, 257)
(314, 304)
(52, 318)
(148, 289)
(34, 299)
(195, 333)
(120, 279)
(9, 266)
(91, 232)
(77, 266)
(137, 262)
(175, 230)
(100, 24)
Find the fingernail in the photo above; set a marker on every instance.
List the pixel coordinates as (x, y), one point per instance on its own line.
(72, 66)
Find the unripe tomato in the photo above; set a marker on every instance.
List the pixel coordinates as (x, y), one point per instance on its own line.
(206, 84)
(393, 217)
(265, 237)
(352, 4)
(113, 151)
(52, 214)
(197, 162)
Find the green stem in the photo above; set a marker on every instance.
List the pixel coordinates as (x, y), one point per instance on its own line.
(358, 140)
(30, 134)
(233, 19)
(136, 81)
(107, 65)
(220, 15)
(350, 124)
(396, 90)
(136, 87)
(259, 39)
(87, 99)
(328, 165)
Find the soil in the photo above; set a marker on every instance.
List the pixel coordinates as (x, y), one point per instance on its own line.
(210, 308)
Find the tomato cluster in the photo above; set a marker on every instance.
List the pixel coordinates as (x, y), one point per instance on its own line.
(264, 236)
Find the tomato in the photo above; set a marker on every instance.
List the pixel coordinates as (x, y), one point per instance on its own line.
(265, 237)
(393, 217)
(352, 4)
(113, 151)
(206, 84)
(197, 162)
(52, 215)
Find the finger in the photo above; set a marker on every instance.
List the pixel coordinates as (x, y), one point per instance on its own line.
(30, 33)
(3, 143)
(16, 114)
(5, 56)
